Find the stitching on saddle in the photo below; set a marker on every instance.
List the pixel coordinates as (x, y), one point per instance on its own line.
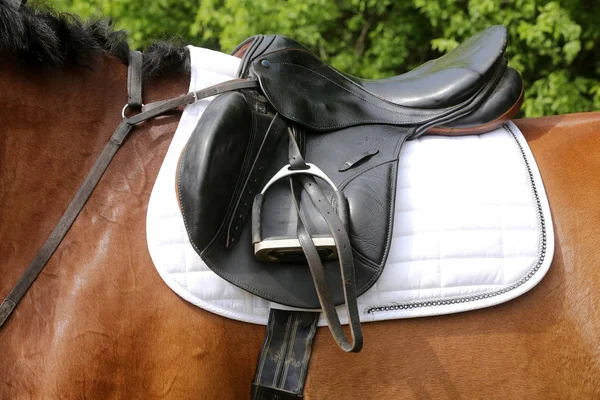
(290, 337)
(389, 233)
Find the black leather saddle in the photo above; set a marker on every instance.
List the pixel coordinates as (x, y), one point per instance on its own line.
(287, 184)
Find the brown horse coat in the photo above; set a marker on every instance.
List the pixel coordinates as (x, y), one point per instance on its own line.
(100, 323)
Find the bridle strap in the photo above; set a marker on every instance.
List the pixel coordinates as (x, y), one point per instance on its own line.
(83, 194)
(158, 108)
(135, 80)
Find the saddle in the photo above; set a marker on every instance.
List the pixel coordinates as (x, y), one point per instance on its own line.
(287, 184)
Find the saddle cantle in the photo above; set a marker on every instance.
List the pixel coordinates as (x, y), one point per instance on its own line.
(290, 118)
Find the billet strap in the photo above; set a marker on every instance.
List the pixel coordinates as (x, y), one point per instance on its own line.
(283, 363)
(135, 80)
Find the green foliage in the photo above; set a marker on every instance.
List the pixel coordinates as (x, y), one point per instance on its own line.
(553, 44)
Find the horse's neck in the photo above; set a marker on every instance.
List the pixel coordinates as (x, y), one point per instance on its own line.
(54, 122)
(54, 125)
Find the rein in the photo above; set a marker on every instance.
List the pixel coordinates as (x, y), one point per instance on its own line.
(148, 111)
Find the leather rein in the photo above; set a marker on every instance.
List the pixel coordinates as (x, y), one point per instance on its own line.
(148, 111)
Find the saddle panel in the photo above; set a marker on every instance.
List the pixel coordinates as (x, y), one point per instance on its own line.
(368, 186)
(285, 283)
(362, 162)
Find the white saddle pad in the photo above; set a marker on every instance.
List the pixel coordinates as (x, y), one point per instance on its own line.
(472, 225)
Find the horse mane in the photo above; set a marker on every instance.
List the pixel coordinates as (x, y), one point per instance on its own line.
(42, 37)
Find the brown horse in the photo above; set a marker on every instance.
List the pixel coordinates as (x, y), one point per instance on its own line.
(100, 323)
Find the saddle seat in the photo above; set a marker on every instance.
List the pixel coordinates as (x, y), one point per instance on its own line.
(447, 81)
(326, 146)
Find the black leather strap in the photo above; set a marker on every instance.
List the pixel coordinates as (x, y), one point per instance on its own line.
(134, 80)
(36, 266)
(284, 359)
(255, 176)
(346, 262)
(184, 100)
(337, 224)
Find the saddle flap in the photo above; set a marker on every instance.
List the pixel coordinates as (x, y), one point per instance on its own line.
(209, 173)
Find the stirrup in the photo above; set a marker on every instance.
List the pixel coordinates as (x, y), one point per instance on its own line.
(286, 249)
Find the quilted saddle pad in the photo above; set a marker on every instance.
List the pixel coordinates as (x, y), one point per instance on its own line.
(472, 225)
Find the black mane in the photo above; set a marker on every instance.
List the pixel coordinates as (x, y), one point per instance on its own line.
(40, 36)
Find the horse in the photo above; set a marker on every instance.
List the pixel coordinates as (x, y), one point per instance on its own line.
(100, 323)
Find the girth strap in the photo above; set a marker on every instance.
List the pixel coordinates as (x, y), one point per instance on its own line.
(284, 359)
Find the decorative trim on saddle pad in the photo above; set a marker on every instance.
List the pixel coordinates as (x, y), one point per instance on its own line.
(472, 224)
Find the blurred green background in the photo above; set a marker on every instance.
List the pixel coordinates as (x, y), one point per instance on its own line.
(553, 44)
